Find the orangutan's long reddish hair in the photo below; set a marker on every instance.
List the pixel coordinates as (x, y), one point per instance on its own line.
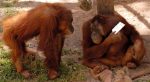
(51, 22)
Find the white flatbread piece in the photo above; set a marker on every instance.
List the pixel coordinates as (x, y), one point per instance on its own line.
(118, 27)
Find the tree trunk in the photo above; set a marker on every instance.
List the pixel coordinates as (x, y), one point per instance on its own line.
(105, 7)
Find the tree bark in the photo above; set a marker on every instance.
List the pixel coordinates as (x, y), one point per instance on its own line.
(105, 7)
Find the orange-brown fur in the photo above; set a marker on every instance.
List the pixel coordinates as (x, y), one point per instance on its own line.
(51, 22)
(121, 49)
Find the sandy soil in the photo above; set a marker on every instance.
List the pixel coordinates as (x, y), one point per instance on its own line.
(136, 12)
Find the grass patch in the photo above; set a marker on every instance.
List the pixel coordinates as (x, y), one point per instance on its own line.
(70, 70)
(10, 11)
(7, 3)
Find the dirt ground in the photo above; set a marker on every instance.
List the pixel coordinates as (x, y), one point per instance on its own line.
(136, 12)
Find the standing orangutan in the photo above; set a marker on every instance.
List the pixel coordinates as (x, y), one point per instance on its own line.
(101, 46)
(52, 22)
